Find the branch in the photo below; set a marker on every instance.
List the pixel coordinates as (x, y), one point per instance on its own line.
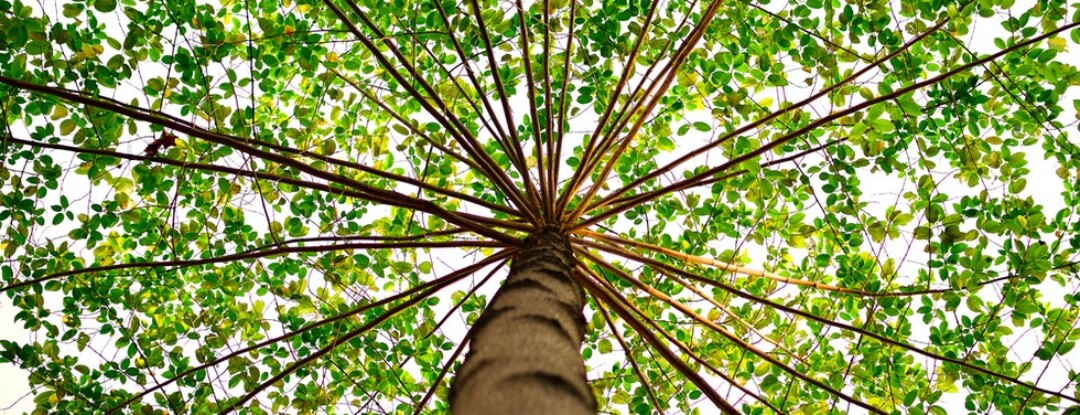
(700, 177)
(493, 65)
(595, 140)
(629, 356)
(388, 197)
(724, 332)
(461, 345)
(562, 108)
(549, 124)
(534, 118)
(682, 346)
(255, 255)
(806, 315)
(614, 241)
(443, 117)
(669, 74)
(701, 150)
(604, 296)
(428, 288)
(511, 150)
(439, 378)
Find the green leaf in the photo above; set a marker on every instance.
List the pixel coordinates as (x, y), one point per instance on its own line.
(1017, 186)
(328, 207)
(665, 144)
(1057, 43)
(67, 126)
(16, 35)
(105, 6)
(36, 47)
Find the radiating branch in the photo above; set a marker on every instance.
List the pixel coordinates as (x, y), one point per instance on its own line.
(464, 340)
(587, 159)
(716, 328)
(257, 255)
(405, 122)
(762, 121)
(441, 114)
(563, 109)
(671, 70)
(812, 317)
(549, 181)
(504, 97)
(439, 378)
(612, 300)
(615, 241)
(374, 194)
(338, 341)
(630, 358)
(421, 291)
(679, 344)
(530, 88)
(507, 140)
(476, 223)
(697, 179)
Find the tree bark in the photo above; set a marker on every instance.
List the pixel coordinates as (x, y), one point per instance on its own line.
(525, 350)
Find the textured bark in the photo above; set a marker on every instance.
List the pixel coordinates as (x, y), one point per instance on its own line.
(525, 352)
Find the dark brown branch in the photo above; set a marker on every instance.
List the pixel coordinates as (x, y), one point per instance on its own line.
(256, 255)
(441, 114)
(615, 241)
(587, 159)
(439, 378)
(467, 140)
(668, 76)
(530, 88)
(409, 125)
(428, 288)
(597, 141)
(497, 133)
(612, 299)
(493, 65)
(701, 150)
(698, 178)
(398, 177)
(812, 317)
(472, 77)
(388, 197)
(562, 109)
(549, 124)
(461, 345)
(673, 340)
(504, 139)
(630, 358)
(417, 237)
(293, 367)
(722, 331)
(475, 219)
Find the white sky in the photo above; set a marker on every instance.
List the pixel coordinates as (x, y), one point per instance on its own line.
(14, 395)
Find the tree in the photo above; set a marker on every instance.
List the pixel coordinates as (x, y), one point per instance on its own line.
(304, 206)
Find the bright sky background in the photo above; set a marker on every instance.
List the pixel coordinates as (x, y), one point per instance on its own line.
(15, 393)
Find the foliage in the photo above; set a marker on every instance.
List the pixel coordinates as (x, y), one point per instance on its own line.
(819, 206)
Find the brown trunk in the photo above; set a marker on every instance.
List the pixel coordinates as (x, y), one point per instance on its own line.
(525, 352)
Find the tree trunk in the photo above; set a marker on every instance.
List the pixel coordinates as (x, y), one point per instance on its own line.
(525, 352)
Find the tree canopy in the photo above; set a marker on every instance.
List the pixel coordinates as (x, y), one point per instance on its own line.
(794, 207)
